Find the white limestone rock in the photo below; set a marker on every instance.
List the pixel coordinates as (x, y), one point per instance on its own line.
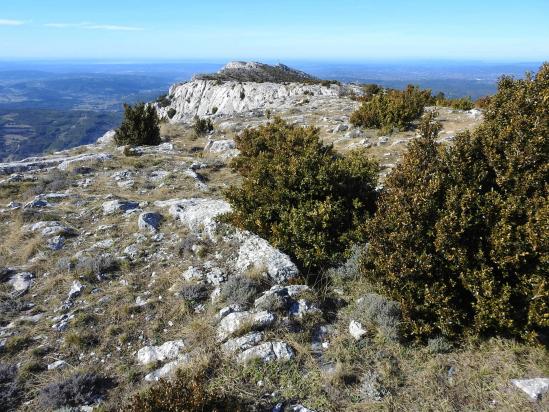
(232, 323)
(21, 282)
(268, 352)
(167, 351)
(107, 138)
(165, 371)
(50, 229)
(243, 342)
(59, 364)
(149, 222)
(119, 206)
(534, 388)
(356, 330)
(47, 162)
(255, 252)
(76, 289)
(197, 214)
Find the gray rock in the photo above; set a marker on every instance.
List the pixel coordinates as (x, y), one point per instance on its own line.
(255, 252)
(243, 342)
(534, 388)
(61, 323)
(56, 243)
(50, 229)
(46, 162)
(60, 364)
(167, 351)
(37, 204)
(302, 307)
(340, 128)
(267, 352)
(76, 289)
(119, 206)
(165, 371)
(234, 322)
(300, 408)
(107, 138)
(219, 146)
(21, 282)
(149, 221)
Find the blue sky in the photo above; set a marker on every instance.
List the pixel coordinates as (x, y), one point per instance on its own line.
(278, 29)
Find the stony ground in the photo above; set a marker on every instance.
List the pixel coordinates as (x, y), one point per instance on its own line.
(116, 265)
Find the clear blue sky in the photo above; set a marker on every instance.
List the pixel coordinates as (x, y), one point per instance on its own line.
(276, 29)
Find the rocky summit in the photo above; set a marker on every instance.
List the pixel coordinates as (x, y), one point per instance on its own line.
(119, 261)
(242, 88)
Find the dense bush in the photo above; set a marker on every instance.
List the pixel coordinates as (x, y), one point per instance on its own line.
(139, 126)
(202, 127)
(299, 194)
(461, 237)
(76, 390)
(392, 108)
(462, 103)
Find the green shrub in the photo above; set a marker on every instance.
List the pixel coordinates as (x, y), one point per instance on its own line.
(460, 237)
(171, 112)
(299, 194)
(214, 110)
(392, 108)
(164, 100)
(139, 126)
(202, 127)
(462, 103)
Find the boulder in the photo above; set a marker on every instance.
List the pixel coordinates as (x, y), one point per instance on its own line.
(50, 229)
(107, 138)
(21, 282)
(167, 351)
(243, 342)
(234, 322)
(149, 221)
(59, 364)
(255, 252)
(76, 289)
(267, 352)
(119, 206)
(219, 146)
(165, 371)
(197, 214)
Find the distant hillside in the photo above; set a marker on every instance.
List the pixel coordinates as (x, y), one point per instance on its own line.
(27, 132)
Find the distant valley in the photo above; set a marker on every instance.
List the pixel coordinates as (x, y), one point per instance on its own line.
(48, 106)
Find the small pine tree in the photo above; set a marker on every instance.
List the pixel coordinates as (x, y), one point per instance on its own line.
(139, 126)
(202, 127)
